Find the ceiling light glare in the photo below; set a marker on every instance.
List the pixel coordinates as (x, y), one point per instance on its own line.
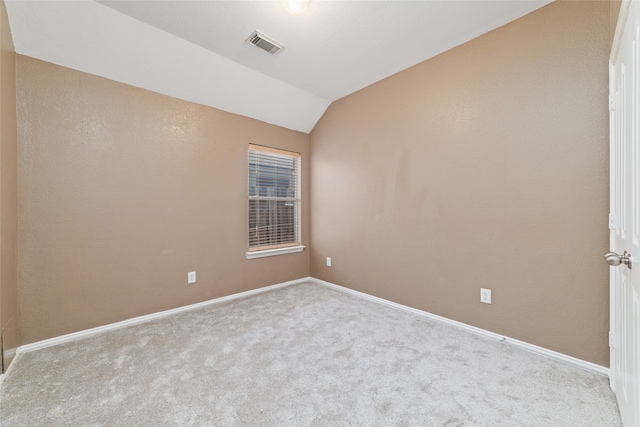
(296, 7)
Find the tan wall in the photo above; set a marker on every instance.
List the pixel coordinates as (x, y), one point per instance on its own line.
(486, 166)
(123, 191)
(614, 11)
(8, 189)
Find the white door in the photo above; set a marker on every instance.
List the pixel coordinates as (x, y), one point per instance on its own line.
(624, 88)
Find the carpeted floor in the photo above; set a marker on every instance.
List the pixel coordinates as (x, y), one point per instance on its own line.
(304, 355)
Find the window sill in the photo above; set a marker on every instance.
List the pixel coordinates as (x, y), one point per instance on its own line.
(273, 252)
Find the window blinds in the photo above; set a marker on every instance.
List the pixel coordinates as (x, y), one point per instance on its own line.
(274, 198)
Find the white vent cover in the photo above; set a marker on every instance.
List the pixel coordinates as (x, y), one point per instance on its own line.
(264, 42)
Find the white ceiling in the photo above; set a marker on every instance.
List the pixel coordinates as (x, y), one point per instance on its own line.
(196, 50)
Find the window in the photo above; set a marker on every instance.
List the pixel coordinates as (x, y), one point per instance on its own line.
(274, 202)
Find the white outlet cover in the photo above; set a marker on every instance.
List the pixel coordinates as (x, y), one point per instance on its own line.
(328, 262)
(191, 277)
(485, 295)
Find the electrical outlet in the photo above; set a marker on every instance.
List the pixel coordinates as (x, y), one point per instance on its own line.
(485, 295)
(191, 277)
(328, 262)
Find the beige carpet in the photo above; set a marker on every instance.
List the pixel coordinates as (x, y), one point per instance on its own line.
(303, 355)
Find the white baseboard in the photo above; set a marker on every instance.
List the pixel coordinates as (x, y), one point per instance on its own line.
(530, 347)
(10, 354)
(149, 317)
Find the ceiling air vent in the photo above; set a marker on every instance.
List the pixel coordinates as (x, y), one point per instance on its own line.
(264, 42)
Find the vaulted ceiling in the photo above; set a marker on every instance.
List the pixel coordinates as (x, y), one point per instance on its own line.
(197, 50)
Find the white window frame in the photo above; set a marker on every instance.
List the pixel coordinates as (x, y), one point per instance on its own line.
(276, 249)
